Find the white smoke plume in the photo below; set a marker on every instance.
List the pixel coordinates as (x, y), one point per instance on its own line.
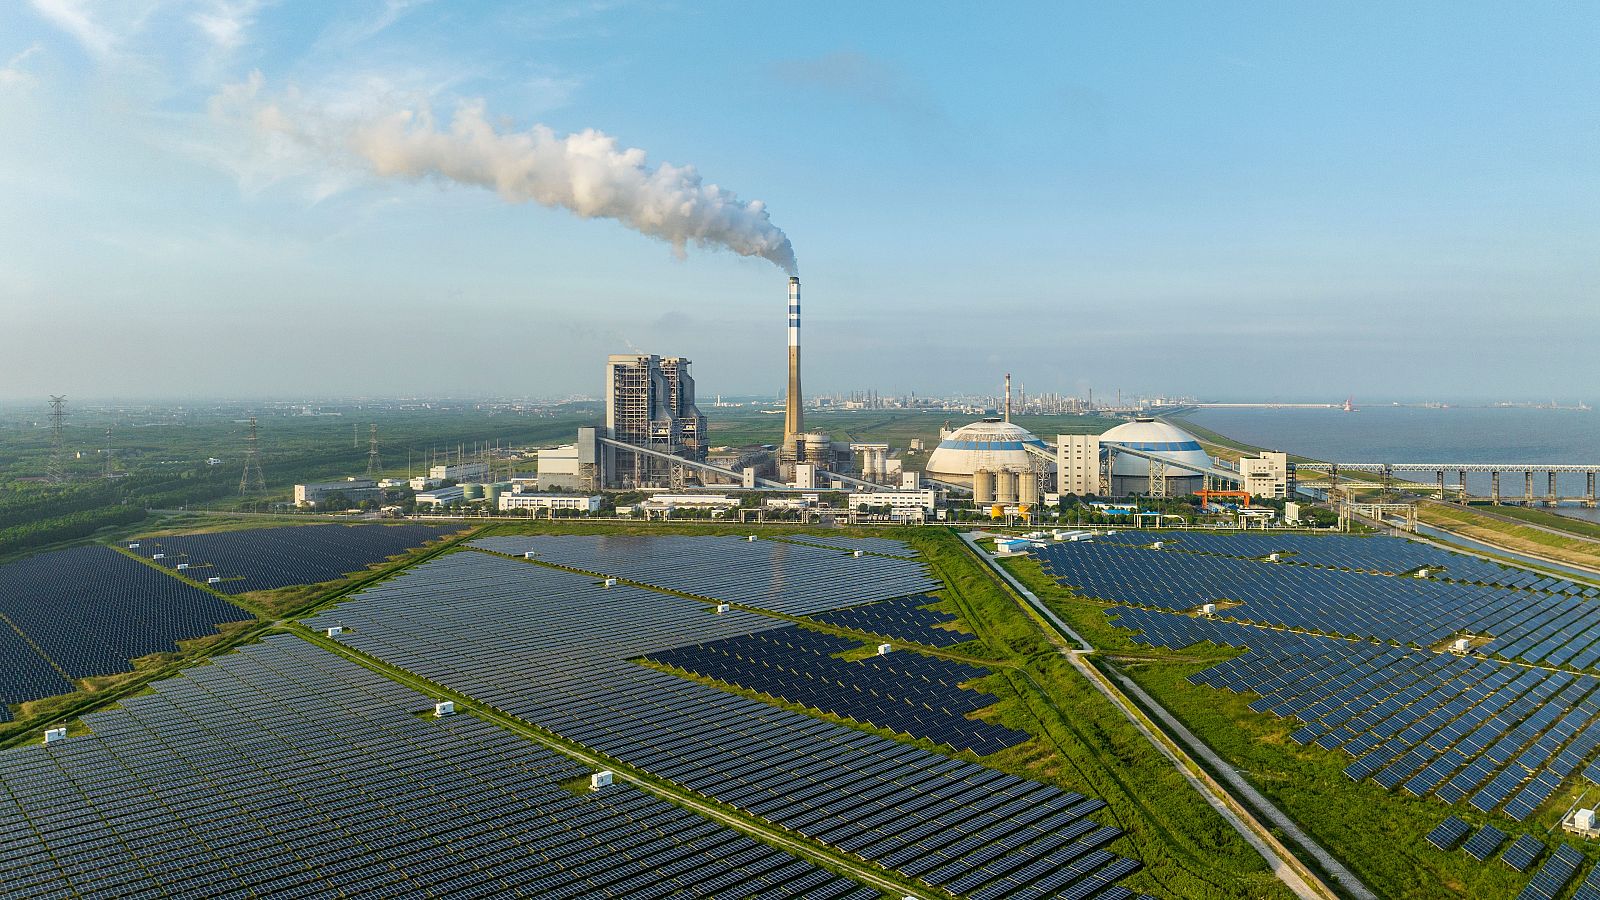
(586, 173)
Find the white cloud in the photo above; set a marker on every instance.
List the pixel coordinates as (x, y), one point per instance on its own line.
(73, 17)
(225, 22)
(13, 76)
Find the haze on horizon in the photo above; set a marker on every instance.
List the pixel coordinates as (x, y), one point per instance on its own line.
(1243, 201)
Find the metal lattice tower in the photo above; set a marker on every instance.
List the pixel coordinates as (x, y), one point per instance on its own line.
(374, 461)
(252, 481)
(56, 469)
(110, 469)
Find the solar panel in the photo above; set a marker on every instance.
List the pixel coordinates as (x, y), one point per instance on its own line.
(1484, 842)
(283, 769)
(1554, 876)
(266, 558)
(554, 648)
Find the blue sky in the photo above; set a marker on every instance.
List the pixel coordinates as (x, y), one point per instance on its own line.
(1239, 201)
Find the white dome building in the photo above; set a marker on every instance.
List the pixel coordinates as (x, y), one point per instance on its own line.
(1131, 474)
(989, 445)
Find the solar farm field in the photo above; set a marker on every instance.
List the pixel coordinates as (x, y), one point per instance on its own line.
(558, 649)
(261, 559)
(89, 611)
(1339, 668)
(783, 577)
(284, 770)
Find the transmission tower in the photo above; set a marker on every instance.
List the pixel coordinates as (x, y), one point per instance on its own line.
(252, 480)
(374, 462)
(110, 469)
(57, 467)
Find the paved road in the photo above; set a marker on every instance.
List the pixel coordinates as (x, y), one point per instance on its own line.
(1167, 736)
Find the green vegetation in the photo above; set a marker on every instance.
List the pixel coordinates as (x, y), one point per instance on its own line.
(1378, 834)
(1544, 518)
(1535, 538)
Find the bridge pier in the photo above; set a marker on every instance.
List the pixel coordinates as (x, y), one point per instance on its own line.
(1551, 497)
(1494, 487)
(1527, 487)
(1588, 494)
(1440, 475)
(1461, 479)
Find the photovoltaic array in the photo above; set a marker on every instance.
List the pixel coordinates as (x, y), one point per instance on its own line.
(1498, 735)
(903, 692)
(283, 770)
(89, 611)
(903, 618)
(1550, 629)
(261, 559)
(788, 578)
(1376, 554)
(883, 546)
(553, 648)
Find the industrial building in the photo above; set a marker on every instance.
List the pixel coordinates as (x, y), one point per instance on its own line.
(650, 403)
(1131, 474)
(445, 496)
(1078, 466)
(559, 468)
(551, 502)
(1266, 475)
(899, 502)
(354, 490)
(466, 471)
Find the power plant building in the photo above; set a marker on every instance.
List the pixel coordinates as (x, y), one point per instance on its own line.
(990, 446)
(1266, 475)
(1078, 464)
(650, 403)
(1131, 474)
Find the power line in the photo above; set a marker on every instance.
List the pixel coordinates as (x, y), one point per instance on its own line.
(57, 466)
(252, 481)
(374, 462)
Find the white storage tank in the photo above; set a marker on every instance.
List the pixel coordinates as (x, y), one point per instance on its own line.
(983, 486)
(1006, 486)
(1028, 488)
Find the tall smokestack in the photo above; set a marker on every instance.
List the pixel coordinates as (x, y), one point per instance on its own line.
(793, 421)
(1008, 396)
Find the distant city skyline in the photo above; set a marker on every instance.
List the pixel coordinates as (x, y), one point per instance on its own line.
(1236, 202)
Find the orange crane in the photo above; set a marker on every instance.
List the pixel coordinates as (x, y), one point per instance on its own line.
(1206, 495)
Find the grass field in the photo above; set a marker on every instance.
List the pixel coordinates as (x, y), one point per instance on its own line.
(1570, 546)
(1378, 834)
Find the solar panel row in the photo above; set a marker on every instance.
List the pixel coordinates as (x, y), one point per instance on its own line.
(260, 559)
(1554, 876)
(789, 578)
(1552, 629)
(884, 546)
(88, 611)
(1458, 728)
(903, 692)
(284, 770)
(1377, 554)
(553, 649)
(903, 618)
